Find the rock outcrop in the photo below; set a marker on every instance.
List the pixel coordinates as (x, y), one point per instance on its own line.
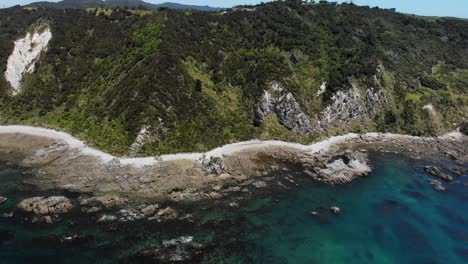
(45, 206)
(345, 106)
(45, 210)
(25, 54)
(165, 214)
(350, 105)
(282, 103)
(342, 168)
(434, 171)
(139, 142)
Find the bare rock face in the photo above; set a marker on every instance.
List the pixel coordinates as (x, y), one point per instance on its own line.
(350, 105)
(345, 106)
(342, 168)
(282, 103)
(25, 54)
(140, 140)
(45, 210)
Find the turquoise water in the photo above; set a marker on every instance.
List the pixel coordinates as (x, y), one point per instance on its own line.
(392, 216)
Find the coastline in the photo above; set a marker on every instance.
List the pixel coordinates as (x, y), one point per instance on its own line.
(61, 162)
(228, 149)
(98, 183)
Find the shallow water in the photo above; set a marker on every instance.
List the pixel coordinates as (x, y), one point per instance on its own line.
(392, 216)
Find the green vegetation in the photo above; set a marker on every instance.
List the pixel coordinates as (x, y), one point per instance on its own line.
(195, 77)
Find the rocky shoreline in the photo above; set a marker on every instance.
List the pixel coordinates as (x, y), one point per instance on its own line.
(69, 186)
(114, 192)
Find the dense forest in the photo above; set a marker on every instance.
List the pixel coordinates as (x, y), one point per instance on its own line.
(193, 79)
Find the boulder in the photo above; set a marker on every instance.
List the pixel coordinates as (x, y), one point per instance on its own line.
(165, 214)
(214, 165)
(434, 171)
(438, 185)
(150, 209)
(335, 209)
(3, 199)
(45, 206)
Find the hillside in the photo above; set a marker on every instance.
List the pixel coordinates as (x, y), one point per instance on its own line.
(146, 83)
(117, 3)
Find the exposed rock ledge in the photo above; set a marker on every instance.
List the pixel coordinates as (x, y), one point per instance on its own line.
(45, 209)
(343, 168)
(75, 167)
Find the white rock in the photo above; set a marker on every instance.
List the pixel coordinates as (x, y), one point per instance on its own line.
(24, 56)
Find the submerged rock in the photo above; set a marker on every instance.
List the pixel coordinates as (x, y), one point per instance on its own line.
(259, 184)
(130, 215)
(106, 219)
(180, 250)
(434, 171)
(335, 209)
(8, 215)
(438, 185)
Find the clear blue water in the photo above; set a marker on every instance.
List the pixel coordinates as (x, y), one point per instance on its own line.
(392, 216)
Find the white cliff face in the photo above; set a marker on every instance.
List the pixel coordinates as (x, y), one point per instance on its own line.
(24, 57)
